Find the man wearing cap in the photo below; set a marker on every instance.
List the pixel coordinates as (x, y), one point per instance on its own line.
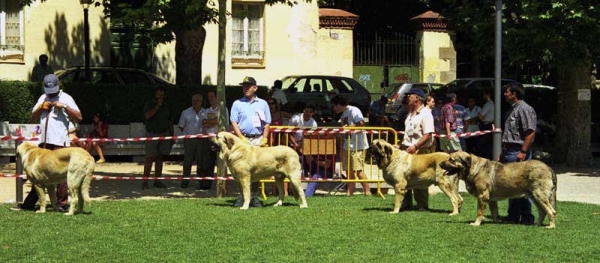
(250, 119)
(418, 138)
(55, 109)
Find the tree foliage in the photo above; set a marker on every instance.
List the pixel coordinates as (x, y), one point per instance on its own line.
(557, 36)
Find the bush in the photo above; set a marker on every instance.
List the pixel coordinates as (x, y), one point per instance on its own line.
(17, 99)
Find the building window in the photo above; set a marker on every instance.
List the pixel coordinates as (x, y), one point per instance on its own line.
(12, 43)
(248, 34)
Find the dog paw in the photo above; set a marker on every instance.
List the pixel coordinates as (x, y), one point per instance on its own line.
(475, 223)
(304, 206)
(68, 214)
(40, 211)
(279, 203)
(453, 214)
(244, 207)
(394, 212)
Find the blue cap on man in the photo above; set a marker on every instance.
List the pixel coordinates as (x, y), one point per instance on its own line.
(417, 91)
(51, 84)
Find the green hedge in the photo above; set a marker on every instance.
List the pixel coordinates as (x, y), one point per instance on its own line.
(122, 104)
(17, 99)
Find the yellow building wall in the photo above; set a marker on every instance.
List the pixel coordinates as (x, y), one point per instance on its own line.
(55, 28)
(438, 57)
(294, 45)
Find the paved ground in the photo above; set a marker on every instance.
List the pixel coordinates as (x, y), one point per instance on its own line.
(574, 184)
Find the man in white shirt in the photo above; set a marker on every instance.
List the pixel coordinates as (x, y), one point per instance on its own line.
(279, 95)
(418, 138)
(486, 120)
(190, 123)
(210, 125)
(355, 143)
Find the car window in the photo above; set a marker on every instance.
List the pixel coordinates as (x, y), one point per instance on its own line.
(134, 77)
(296, 86)
(313, 86)
(341, 85)
(101, 77)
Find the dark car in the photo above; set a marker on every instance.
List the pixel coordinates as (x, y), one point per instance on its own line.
(110, 75)
(318, 90)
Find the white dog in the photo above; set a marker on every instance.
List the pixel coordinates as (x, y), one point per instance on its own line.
(249, 163)
(49, 168)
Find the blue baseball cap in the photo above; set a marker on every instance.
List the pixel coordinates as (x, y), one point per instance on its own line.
(51, 84)
(417, 91)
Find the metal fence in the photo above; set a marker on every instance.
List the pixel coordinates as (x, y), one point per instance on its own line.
(385, 48)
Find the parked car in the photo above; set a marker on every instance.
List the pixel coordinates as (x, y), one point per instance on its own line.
(466, 88)
(318, 90)
(110, 75)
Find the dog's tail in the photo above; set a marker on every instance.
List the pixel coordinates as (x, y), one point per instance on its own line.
(554, 189)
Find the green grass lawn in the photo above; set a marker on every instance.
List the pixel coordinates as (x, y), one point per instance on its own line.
(332, 229)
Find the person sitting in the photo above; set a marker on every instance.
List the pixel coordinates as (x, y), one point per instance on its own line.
(100, 130)
(316, 88)
(377, 113)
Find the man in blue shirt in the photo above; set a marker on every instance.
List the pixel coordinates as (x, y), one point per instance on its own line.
(250, 119)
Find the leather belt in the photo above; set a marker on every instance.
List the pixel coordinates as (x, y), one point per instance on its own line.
(252, 136)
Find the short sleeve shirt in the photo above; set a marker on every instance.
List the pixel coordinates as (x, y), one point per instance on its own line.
(191, 121)
(213, 113)
(298, 121)
(251, 116)
(488, 112)
(58, 122)
(520, 119)
(356, 141)
(448, 115)
(421, 123)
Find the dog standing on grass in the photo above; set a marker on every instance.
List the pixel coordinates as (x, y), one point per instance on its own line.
(249, 163)
(46, 169)
(490, 181)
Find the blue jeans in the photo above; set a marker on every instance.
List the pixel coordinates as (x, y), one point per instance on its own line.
(518, 209)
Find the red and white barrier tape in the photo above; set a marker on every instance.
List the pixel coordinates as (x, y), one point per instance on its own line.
(321, 131)
(175, 178)
(464, 134)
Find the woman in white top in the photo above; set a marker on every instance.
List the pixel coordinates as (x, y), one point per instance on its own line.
(472, 124)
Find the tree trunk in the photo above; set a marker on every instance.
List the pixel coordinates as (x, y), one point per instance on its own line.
(574, 116)
(188, 56)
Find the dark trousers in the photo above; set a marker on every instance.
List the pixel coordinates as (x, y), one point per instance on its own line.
(519, 209)
(486, 141)
(62, 191)
(207, 165)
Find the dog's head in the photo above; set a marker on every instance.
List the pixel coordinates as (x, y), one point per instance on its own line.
(458, 163)
(225, 141)
(381, 152)
(25, 147)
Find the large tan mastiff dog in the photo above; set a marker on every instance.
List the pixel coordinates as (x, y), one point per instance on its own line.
(490, 181)
(414, 171)
(249, 163)
(46, 169)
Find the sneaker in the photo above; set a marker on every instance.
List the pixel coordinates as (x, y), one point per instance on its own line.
(145, 185)
(21, 207)
(101, 161)
(255, 202)
(239, 201)
(159, 184)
